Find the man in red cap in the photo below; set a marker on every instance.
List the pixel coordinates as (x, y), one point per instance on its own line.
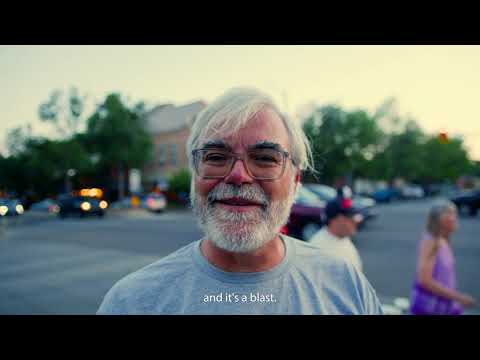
(342, 221)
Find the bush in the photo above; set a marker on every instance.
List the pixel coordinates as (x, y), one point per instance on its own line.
(179, 183)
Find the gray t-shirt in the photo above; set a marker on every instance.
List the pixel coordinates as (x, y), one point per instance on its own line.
(306, 281)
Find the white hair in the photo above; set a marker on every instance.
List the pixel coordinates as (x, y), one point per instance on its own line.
(233, 110)
(439, 208)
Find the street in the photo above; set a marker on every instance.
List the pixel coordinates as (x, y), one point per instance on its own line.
(66, 266)
(388, 248)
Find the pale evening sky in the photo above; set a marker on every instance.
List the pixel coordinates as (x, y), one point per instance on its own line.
(438, 86)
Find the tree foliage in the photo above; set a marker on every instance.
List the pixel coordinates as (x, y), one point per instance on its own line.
(342, 142)
(42, 166)
(179, 181)
(351, 144)
(117, 134)
(117, 138)
(114, 141)
(63, 111)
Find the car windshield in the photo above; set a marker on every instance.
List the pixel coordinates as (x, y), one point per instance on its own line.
(305, 196)
(325, 192)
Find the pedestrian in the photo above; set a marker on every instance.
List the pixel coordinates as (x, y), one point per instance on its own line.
(246, 158)
(434, 291)
(341, 220)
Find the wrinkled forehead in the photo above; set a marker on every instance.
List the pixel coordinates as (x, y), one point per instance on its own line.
(266, 129)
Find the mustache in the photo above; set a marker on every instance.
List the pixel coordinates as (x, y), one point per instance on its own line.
(246, 192)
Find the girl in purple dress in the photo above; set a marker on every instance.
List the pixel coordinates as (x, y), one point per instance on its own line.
(434, 291)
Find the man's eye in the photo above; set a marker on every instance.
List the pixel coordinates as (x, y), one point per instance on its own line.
(215, 157)
(266, 158)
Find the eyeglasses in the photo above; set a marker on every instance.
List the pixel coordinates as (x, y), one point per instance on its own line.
(261, 164)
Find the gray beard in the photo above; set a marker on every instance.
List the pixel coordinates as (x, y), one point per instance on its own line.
(241, 232)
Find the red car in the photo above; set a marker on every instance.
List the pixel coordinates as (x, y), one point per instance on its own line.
(306, 215)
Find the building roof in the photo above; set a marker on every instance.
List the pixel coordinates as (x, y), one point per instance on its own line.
(167, 118)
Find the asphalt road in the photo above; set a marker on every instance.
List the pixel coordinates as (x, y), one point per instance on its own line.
(50, 266)
(66, 267)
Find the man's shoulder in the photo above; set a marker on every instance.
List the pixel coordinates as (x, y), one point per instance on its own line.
(138, 292)
(160, 273)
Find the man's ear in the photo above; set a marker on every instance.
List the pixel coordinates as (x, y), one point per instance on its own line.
(297, 177)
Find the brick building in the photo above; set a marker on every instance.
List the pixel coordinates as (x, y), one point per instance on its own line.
(169, 126)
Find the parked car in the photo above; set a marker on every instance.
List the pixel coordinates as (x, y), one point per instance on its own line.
(412, 192)
(11, 207)
(385, 195)
(46, 205)
(154, 202)
(467, 202)
(306, 215)
(81, 206)
(324, 192)
(365, 205)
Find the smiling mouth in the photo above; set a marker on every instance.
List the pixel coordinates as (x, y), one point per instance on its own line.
(238, 202)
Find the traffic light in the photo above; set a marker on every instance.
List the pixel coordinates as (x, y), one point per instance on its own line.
(443, 137)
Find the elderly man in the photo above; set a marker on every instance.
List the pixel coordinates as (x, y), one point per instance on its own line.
(246, 159)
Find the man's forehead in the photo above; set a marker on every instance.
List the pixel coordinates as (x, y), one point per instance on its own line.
(262, 144)
(265, 129)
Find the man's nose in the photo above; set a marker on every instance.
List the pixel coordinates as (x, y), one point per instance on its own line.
(239, 174)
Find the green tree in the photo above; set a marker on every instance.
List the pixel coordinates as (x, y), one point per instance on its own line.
(42, 166)
(445, 161)
(117, 138)
(63, 111)
(17, 138)
(343, 143)
(402, 156)
(179, 181)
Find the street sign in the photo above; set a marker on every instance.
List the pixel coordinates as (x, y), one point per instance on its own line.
(135, 181)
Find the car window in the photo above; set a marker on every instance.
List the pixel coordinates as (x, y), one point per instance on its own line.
(305, 196)
(325, 192)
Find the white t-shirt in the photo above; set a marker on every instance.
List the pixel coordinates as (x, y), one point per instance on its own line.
(342, 247)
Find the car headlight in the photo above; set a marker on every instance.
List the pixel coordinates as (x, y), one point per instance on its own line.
(103, 204)
(19, 209)
(3, 210)
(85, 206)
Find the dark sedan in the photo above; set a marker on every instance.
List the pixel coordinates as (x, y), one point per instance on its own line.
(467, 202)
(81, 206)
(11, 207)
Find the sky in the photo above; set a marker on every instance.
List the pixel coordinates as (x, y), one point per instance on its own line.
(438, 86)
